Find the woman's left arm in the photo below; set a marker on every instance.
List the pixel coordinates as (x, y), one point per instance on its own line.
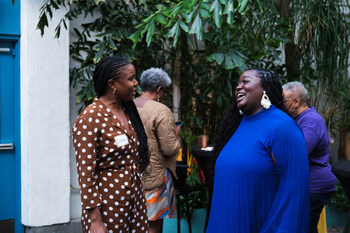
(166, 133)
(290, 209)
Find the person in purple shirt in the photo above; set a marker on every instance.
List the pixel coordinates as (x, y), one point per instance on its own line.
(322, 180)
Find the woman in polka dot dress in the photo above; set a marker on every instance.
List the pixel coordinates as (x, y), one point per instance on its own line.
(111, 153)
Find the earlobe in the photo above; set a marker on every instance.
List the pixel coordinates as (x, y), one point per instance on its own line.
(110, 84)
(158, 93)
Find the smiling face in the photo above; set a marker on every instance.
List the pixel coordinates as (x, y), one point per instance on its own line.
(126, 84)
(249, 92)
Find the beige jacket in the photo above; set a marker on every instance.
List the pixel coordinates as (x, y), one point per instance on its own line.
(163, 146)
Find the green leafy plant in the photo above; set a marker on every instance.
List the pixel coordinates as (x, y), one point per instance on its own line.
(198, 196)
(339, 198)
(206, 44)
(104, 31)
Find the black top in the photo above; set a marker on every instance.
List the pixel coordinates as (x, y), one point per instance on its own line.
(341, 168)
(342, 171)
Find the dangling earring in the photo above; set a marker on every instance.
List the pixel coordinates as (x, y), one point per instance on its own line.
(158, 98)
(114, 90)
(265, 101)
(240, 112)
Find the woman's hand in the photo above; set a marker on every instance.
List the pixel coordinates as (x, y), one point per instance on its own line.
(97, 225)
(178, 131)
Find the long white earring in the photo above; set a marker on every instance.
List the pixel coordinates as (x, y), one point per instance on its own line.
(265, 101)
(240, 112)
(114, 90)
(158, 97)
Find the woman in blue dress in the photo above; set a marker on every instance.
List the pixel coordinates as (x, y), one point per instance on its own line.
(261, 173)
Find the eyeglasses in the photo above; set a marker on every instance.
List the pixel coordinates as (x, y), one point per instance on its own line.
(286, 100)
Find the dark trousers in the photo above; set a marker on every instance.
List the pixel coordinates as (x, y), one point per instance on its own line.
(317, 202)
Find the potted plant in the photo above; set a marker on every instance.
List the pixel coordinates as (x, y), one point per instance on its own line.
(338, 207)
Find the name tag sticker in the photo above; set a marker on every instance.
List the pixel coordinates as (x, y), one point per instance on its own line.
(121, 140)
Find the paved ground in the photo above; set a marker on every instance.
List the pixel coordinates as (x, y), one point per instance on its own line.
(335, 229)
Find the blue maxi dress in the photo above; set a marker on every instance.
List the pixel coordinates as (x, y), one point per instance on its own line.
(252, 194)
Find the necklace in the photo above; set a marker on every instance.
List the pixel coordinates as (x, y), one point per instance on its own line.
(117, 111)
(121, 110)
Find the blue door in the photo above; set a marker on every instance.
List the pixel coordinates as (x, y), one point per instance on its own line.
(10, 196)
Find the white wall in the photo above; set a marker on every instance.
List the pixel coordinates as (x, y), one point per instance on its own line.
(45, 126)
(75, 206)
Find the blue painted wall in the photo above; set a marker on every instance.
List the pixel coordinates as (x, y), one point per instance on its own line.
(10, 23)
(10, 31)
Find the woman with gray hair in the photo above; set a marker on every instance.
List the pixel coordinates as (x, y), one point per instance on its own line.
(163, 144)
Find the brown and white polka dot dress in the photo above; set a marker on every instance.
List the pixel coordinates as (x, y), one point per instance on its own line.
(108, 168)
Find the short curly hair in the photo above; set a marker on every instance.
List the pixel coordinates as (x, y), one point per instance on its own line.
(152, 78)
(299, 89)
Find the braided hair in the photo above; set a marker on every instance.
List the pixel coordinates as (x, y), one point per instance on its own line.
(273, 88)
(110, 68)
(135, 119)
(107, 68)
(274, 91)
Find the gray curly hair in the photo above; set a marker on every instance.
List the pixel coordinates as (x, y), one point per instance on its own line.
(297, 88)
(152, 78)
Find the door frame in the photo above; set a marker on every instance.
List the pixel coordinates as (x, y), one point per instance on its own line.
(19, 228)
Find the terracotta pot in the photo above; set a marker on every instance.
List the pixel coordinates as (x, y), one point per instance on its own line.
(203, 141)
